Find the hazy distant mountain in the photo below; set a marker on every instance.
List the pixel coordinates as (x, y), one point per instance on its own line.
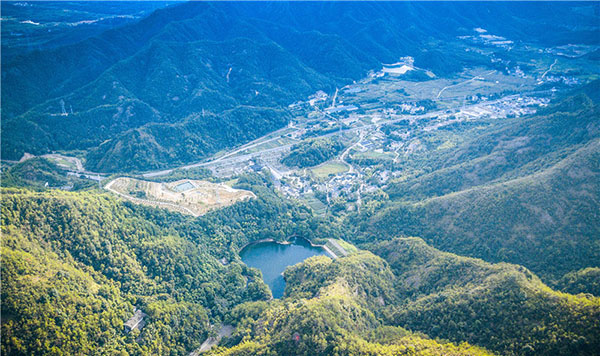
(43, 25)
(205, 59)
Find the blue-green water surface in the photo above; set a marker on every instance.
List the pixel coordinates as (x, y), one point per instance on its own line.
(272, 258)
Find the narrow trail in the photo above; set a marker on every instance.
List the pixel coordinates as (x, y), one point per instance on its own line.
(549, 69)
(461, 83)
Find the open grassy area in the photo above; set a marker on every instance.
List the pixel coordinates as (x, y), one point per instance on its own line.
(350, 248)
(373, 155)
(329, 168)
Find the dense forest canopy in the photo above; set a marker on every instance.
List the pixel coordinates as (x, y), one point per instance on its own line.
(445, 158)
(312, 153)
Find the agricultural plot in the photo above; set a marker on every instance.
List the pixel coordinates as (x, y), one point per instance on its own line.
(315, 204)
(193, 197)
(329, 168)
(373, 155)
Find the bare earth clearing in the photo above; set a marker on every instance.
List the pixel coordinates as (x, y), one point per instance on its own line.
(193, 197)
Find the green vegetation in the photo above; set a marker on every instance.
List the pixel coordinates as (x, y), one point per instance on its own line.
(453, 297)
(350, 248)
(586, 280)
(370, 158)
(88, 260)
(312, 152)
(506, 209)
(364, 304)
(337, 322)
(41, 173)
(75, 264)
(161, 145)
(316, 204)
(174, 88)
(329, 168)
(525, 191)
(67, 275)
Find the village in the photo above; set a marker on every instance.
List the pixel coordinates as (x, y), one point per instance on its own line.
(394, 113)
(377, 135)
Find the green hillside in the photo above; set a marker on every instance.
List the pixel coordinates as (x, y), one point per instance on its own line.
(75, 264)
(526, 192)
(142, 80)
(407, 178)
(363, 304)
(586, 280)
(457, 298)
(41, 173)
(331, 309)
(313, 152)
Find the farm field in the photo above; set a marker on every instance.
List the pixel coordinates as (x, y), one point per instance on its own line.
(329, 168)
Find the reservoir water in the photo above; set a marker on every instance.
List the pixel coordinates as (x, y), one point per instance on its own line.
(271, 258)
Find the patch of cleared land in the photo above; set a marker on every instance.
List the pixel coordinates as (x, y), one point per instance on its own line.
(373, 155)
(340, 248)
(193, 197)
(315, 203)
(397, 69)
(330, 168)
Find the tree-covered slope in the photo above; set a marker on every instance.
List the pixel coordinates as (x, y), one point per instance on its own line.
(526, 192)
(75, 264)
(41, 173)
(190, 62)
(332, 308)
(547, 221)
(313, 152)
(363, 304)
(506, 150)
(503, 307)
(202, 60)
(31, 27)
(586, 280)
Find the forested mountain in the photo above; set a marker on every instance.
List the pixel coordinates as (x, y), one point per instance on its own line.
(449, 296)
(442, 161)
(41, 173)
(311, 153)
(75, 264)
(586, 280)
(28, 27)
(360, 305)
(526, 192)
(130, 86)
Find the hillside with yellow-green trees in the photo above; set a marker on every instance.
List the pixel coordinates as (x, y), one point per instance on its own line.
(365, 303)
(75, 266)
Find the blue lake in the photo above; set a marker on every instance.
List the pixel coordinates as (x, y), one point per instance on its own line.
(271, 258)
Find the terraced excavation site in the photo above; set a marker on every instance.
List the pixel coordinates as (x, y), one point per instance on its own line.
(193, 197)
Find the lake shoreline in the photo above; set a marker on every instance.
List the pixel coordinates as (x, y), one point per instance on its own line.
(288, 242)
